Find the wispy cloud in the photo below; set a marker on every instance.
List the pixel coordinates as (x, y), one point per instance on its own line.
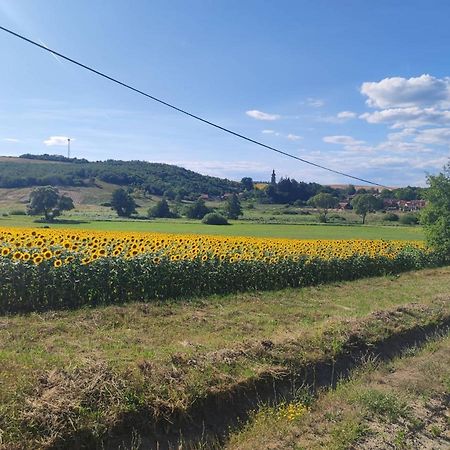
(346, 115)
(224, 168)
(314, 102)
(408, 117)
(290, 136)
(55, 141)
(11, 140)
(260, 115)
(343, 140)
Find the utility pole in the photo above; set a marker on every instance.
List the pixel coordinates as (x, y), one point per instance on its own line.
(68, 147)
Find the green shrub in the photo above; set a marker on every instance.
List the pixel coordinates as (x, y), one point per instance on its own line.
(391, 217)
(409, 219)
(215, 219)
(18, 212)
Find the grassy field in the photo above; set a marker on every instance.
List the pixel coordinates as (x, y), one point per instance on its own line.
(79, 374)
(260, 220)
(237, 228)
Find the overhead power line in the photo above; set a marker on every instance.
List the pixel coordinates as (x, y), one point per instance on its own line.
(187, 113)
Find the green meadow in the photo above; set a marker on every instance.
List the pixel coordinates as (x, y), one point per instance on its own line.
(237, 228)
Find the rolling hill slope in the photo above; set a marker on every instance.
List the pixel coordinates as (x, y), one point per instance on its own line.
(153, 178)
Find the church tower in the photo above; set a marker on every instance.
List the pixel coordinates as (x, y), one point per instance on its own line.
(273, 179)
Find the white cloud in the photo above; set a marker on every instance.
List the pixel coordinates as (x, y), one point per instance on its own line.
(398, 92)
(350, 144)
(386, 161)
(398, 146)
(342, 140)
(11, 140)
(290, 136)
(434, 136)
(54, 141)
(400, 135)
(345, 115)
(408, 117)
(314, 102)
(259, 115)
(432, 164)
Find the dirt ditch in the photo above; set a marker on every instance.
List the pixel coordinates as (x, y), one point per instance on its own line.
(208, 421)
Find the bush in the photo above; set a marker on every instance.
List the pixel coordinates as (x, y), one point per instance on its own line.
(337, 219)
(409, 219)
(391, 217)
(215, 219)
(18, 212)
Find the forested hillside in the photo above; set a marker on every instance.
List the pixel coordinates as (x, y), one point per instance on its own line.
(154, 178)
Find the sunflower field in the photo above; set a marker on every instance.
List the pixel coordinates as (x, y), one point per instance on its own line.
(50, 269)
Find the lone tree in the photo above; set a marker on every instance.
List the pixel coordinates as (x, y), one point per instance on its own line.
(123, 203)
(233, 207)
(247, 183)
(364, 204)
(161, 210)
(323, 202)
(48, 201)
(435, 217)
(197, 210)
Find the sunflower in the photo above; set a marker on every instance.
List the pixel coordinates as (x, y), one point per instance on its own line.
(57, 263)
(17, 256)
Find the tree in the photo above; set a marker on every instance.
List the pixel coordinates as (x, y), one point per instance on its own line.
(47, 200)
(435, 217)
(123, 203)
(233, 207)
(323, 202)
(247, 183)
(386, 193)
(197, 210)
(364, 204)
(161, 210)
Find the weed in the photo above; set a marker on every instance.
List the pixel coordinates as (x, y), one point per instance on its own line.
(400, 441)
(347, 433)
(384, 404)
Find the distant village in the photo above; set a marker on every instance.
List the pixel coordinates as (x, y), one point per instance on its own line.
(391, 198)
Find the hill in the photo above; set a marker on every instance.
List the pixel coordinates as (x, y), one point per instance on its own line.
(153, 178)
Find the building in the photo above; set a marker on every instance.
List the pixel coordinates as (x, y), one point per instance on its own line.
(273, 179)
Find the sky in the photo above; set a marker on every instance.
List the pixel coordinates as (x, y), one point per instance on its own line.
(362, 87)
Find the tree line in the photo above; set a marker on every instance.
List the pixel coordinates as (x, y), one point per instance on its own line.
(151, 178)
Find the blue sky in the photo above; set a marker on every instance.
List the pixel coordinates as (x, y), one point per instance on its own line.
(359, 86)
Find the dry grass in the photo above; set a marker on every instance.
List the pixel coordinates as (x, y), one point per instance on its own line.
(80, 373)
